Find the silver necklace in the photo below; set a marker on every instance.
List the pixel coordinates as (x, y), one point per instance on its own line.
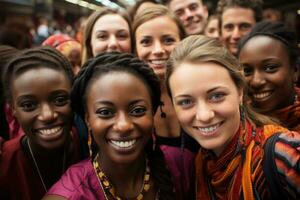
(37, 167)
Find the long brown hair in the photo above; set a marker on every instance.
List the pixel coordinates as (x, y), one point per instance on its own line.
(87, 33)
(198, 49)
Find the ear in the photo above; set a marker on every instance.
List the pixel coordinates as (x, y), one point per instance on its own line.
(12, 108)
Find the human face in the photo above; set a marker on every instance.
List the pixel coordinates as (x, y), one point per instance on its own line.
(75, 60)
(236, 22)
(110, 33)
(192, 14)
(207, 107)
(41, 104)
(212, 28)
(155, 39)
(120, 115)
(268, 73)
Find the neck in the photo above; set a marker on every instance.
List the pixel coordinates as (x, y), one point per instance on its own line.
(127, 179)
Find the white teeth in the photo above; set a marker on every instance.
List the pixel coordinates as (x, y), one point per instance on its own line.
(123, 144)
(50, 131)
(209, 129)
(158, 62)
(262, 95)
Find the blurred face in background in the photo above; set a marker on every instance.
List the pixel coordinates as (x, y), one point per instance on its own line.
(155, 39)
(192, 13)
(111, 32)
(236, 22)
(212, 28)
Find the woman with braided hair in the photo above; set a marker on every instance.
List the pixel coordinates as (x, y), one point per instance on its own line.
(243, 154)
(118, 95)
(37, 85)
(268, 55)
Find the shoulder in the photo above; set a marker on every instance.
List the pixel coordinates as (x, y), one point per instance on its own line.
(287, 159)
(78, 181)
(11, 152)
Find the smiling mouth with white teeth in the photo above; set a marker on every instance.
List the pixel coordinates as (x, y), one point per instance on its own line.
(123, 144)
(50, 131)
(261, 95)
(208, 130)
(158, 62)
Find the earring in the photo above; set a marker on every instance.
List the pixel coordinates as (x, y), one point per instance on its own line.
(90, 142)
(242, 114)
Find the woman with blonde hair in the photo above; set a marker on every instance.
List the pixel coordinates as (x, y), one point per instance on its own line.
(106, 30)
(243, 154)
(156, 32)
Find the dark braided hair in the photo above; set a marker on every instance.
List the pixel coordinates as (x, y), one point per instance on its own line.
(106, 63)
(278, 31)
(34, 58)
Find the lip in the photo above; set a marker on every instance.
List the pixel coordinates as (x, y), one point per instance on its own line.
(123, 145)
(210, 130)
(50, 133)
(158, 63)
(261, 96)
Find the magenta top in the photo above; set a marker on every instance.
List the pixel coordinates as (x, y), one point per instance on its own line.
(80, 180)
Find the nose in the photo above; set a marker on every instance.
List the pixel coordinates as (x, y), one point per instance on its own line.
(112, 44)
(158, 49)
(257, 80)
(47, 114)
(123, 123)
(236, 34)
(204, 113)
(188, 15)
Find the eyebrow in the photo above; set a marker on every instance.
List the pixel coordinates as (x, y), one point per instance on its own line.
(109, 103)
(208, 91)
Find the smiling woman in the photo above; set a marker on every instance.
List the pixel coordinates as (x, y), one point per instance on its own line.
(38, 85)
(272, 73)
(118, 95)
(156, 31)
(214, 110)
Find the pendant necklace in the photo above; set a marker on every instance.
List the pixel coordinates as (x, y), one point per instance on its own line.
(37, 167)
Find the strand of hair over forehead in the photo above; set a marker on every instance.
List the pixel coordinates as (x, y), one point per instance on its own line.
(113, 61)
(36, 57)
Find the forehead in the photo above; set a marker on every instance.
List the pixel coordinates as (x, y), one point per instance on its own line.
(158, 25)
(263, 45)
(238, 15)
(118, 85)
(111, 21)
(181, 4)
(36, 78)
(186, 77)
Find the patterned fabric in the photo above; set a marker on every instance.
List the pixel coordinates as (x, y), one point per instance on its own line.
(80, 180)
(238, 170)
(290, 116)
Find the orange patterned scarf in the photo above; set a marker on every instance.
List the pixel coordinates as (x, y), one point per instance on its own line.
(232, 174)
(290, 116)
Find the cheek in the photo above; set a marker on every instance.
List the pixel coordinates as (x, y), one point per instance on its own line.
(98, 47)
(142, 52)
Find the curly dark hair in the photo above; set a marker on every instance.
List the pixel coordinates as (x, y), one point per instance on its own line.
(106, 63)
